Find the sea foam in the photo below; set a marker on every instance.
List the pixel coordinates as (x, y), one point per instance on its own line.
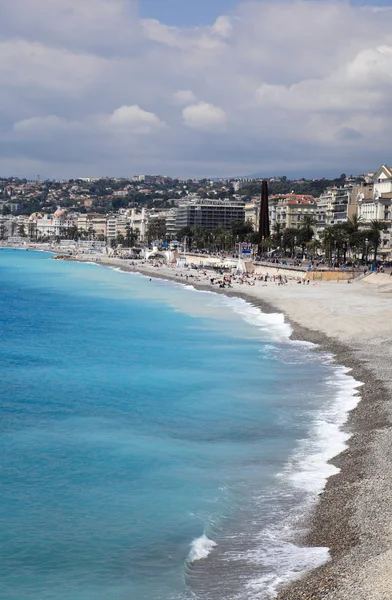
(273, 324)
(201, 548)
(306, 472)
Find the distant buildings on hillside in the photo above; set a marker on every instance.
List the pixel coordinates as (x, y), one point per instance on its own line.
(204, 203)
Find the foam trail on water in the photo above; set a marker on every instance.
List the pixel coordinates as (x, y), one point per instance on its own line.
(270, 323)
(283, 562)
(306, 473)
(309, 468)
(201, 548)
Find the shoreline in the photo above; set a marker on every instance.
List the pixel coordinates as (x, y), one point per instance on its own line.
(336, 521)
(353, 514)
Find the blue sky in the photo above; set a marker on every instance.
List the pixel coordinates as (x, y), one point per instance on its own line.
(187, 13)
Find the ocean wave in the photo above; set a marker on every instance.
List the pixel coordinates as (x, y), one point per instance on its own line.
(273, 323)
(305, 475)
(201, 548)
(282, 562)
(309, 468)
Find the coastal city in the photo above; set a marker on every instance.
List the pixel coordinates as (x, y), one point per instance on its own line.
(195, 291)
(343, 221)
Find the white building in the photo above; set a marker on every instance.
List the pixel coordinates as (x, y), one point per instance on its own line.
(51, 226)
(378, 206)
(138, 222)
(333, 206)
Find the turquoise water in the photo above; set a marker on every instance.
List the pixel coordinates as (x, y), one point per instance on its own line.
(155, 442)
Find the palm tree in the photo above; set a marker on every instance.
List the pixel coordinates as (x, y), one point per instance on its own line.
(312, 246)
(199, 235)
(277, 234)
(328, 238)
(354, 235)
(341, 239)
(308, 224)
(306, 232)
(375, 235)
(289, 239)
(353, 223)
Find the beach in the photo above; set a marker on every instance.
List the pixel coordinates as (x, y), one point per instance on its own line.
(353, 517)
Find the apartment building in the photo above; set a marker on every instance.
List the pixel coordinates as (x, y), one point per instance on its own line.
(333, 206)
(375, 204)
(209, 214)
(292, 208)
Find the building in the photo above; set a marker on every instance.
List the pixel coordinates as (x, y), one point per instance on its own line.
(92, 224)
(292, 208)
(252, 210)
(240, 183)
(138, 222)
(333, 206)
(362, 192)
(50, 226)
(209, 214)
(171, 219)
(375, 204)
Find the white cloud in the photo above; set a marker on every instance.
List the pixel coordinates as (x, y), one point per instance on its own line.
(134, 119)
(125, 120)
(204, 116)
(294, 85)
(222, 27)
(184, 97)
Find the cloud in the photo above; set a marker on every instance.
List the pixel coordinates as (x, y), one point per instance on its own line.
(296, 86)
(124, 121)
(204, 116)
(134, 119)
(184, 97)
(43, 126)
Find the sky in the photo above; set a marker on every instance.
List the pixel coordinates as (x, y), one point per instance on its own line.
(187, 88)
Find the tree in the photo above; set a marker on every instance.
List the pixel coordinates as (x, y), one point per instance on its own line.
(335, 238)
(130, 236)
(328, 239)
(375, 235)
(73, 233)
(289, 240)
(223, 238)
(120, 239)
(354, 234)
(306, 232)
(340, 239)
(156, 230)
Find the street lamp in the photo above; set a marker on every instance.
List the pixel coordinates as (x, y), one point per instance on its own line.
(366, 251)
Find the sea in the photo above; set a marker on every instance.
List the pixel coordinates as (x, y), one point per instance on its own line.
(156, 442)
